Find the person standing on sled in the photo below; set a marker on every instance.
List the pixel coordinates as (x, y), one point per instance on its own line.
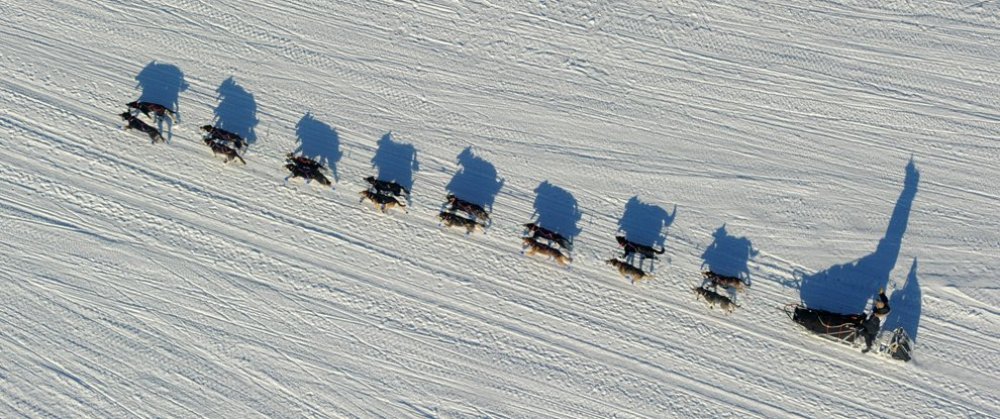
(869, 328)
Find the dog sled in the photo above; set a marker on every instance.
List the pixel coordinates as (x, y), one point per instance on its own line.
(846, 328)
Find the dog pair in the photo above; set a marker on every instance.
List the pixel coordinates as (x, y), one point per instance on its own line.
(306, 168)
(536, 231)
(451, 219)
(137, 124)
(631, 247)
(728, 282)
(388, 187)
(381, 202)
(533, 247)
(474, 210)
(224, 136)
(628, 271)
(712, 298)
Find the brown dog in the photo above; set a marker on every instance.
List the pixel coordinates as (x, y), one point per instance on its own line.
(724, 281)
(454, 220)
(628, 271)
(222, 149)
(137, 124)
(712, 298)
(534, 247)
(381, 202)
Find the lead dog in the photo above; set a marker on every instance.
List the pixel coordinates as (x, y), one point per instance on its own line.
(724, 281)
(137, 124)
(539, 231)
(534, 247)
(381, 202)
(454, 220)
(219, 148)
(628, 271)
(712, 298)
(158, 110)
(631, 247)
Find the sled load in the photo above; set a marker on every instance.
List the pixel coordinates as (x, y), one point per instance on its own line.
(839, 327)
(306, 168)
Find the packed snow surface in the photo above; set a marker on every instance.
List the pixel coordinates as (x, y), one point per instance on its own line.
(818, 149)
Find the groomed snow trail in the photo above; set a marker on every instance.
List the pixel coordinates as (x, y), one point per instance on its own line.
(850, 145)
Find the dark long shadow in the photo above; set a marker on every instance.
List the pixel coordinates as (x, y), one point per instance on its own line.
(476, 180)
(237, 111)
(905, 306)
(556, 209)
(644, 223)
(729, 255)
(395, 161)
(319, 142)
(846, 288)
(161, 84)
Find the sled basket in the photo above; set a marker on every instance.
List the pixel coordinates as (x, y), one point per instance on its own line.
(836, 326)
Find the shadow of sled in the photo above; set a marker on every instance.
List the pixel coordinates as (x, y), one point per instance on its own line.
(844, 328)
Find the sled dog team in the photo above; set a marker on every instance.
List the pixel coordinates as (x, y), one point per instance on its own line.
(456, 212)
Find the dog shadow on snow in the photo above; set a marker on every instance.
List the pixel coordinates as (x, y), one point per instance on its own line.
(162, 84)
(318, 141)
(476, 180)
(556, 209)
(847, 288)
(237, 111)
(729, 255)
(395, 161)
(645, 224)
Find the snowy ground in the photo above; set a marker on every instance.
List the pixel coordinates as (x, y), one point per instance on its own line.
(823, 149)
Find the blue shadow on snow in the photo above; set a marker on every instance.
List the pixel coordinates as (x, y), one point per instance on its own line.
(644, 223)
(476, 180)
(319, 142)
(729, 255)
(557, 210)
(904, 306)
(237, 110)
(846, 288)
(395, 162)
(161, 84)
